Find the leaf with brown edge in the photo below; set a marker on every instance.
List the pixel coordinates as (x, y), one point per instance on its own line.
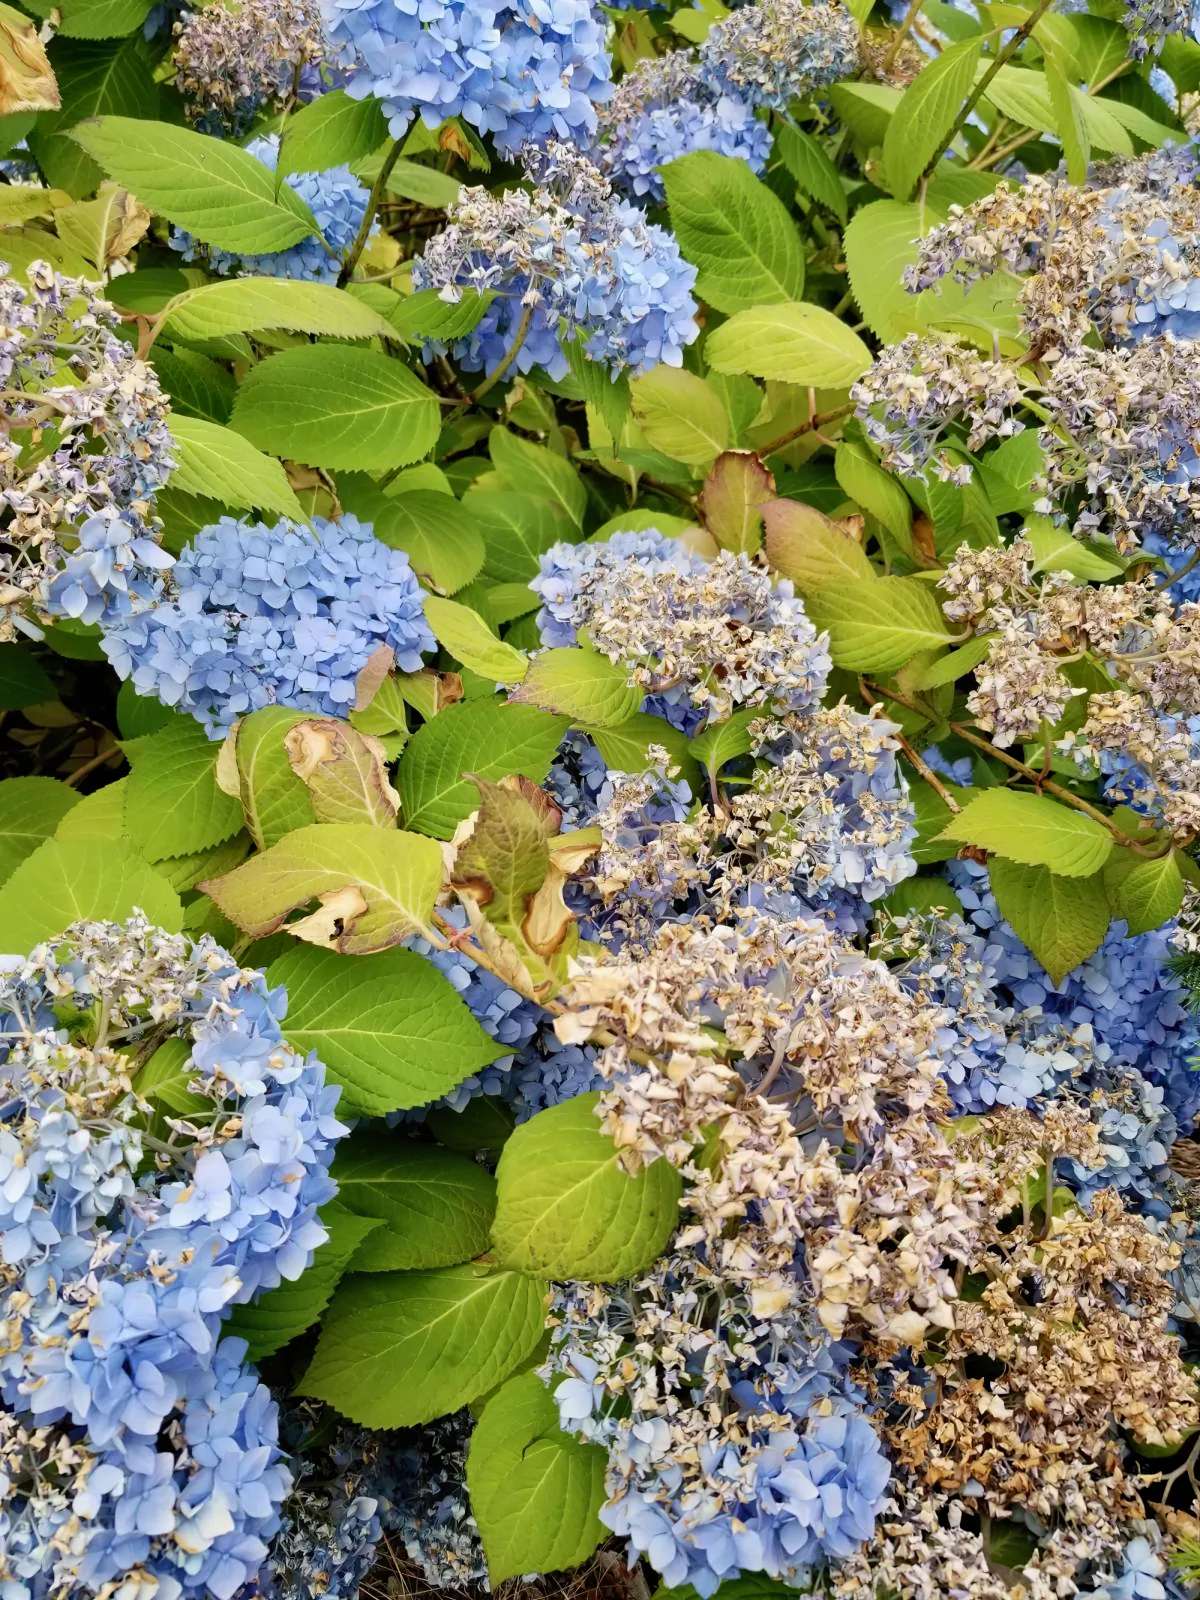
(738, 485)
(345, 771)
(375, 886)
(504, 862)
(103, 229)
(27, 82)
(805, 545)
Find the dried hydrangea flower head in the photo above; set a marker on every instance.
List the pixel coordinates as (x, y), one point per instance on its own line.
(234, 58)
(713, 636)
(1149, 22)
(338, 203)
(571, 253)
(669, 106)
(1127, 426)
(778, 51)
(917, 388)
(87, 446)
(520, 71)
(1094, 255)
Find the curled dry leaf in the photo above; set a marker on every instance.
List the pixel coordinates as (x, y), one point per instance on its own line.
(27, 82)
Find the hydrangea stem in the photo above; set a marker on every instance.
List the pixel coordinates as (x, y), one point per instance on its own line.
(378, 189)
(1002, 58)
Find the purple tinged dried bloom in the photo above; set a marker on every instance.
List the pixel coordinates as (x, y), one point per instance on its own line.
(915, 389)
(231, 61)
(778, 51)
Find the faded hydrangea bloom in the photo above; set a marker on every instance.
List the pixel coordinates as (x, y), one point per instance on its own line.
(717, 635)
(87, 446)
(232, 61)
(1019, 688)
(914, 389)
(1093, 254)
(778, 51)
(571, 252)
(979, 580)
(1127, 429)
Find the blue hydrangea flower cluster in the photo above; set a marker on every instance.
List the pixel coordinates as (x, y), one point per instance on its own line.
(1126, 994)
(765, 55)
(529, 70)
(668, 107)
(80, 538)
(793, 1473)
(1114, 1033)
(337, 201)
(568, 254)
(115, 1277)
(260, 616)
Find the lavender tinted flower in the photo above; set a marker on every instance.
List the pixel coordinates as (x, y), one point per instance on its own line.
(263, 616)
(232, 61)
(337, 201)
(532, 69)
(81, 540)
(570, 252)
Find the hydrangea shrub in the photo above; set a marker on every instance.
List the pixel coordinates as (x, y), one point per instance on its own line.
(600, 815)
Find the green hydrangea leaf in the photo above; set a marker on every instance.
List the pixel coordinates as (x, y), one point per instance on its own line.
(434, 1207)
(1034, 830)
(389, 1027)
(401, 1348)
(535, 1490)
(566, 1208)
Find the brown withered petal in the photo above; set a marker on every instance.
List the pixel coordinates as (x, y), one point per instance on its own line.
(27, 82)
